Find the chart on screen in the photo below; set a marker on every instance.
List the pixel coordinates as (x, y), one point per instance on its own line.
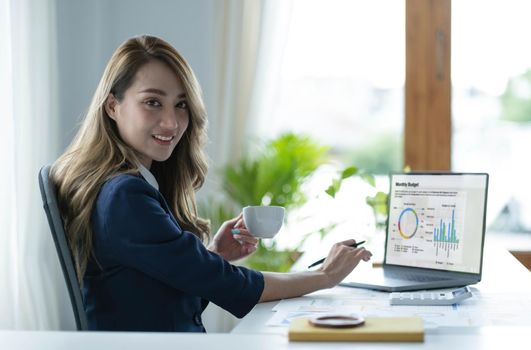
(427, 225)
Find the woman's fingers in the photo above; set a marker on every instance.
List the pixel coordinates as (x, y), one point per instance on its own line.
(250, 249)
(240, 223)
(342, 259)
(232, 222)
(237, 219)
(236, 222)
(245, 236)
(363, 254)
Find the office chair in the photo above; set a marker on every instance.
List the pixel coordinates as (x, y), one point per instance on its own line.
(55, 221)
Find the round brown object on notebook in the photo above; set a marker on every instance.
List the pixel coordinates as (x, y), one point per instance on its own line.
(337, 321)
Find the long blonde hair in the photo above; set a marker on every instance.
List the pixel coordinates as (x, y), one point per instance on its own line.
(97, 152)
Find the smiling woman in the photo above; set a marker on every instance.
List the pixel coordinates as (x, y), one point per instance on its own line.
(126, 191)
(127, 196)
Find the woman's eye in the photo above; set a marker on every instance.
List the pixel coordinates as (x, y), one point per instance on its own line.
(182, 105)
(153, 103)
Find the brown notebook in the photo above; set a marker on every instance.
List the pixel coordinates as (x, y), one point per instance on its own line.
(385, 329)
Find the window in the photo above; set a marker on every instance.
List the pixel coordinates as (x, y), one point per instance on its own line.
(341, 82)
(342, 79)
(491, 103)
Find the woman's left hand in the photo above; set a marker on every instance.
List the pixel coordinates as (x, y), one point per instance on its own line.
(233, 241)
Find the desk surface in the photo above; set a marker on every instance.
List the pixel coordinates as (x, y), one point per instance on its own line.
(483, 338)
(502, 273)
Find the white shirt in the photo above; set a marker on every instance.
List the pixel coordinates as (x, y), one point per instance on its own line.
(148, 176)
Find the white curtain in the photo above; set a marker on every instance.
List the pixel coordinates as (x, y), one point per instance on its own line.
(33, 293)
(249, 45)
(237, 41)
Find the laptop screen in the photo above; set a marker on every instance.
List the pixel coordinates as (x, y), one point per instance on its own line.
(437, 221)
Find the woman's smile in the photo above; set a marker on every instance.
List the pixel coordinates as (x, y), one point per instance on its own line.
(163, 140)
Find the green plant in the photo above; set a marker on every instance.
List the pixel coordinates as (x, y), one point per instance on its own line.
(273, 175)
(516, 99)
(378, 203)
(346, 173)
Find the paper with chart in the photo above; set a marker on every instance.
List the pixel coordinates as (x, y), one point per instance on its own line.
(374, 303)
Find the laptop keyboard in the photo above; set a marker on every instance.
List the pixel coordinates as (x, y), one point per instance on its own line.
(409, 276)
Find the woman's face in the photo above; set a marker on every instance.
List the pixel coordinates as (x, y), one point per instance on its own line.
(153, 114)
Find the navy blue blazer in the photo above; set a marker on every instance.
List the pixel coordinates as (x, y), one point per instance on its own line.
(150, 275)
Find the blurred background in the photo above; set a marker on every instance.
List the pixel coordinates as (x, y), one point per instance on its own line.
(329, 71)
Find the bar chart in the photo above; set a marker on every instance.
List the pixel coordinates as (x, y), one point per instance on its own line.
(446, 232)
(446, 235)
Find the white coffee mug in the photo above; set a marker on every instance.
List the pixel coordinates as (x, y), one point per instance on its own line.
(263, 221)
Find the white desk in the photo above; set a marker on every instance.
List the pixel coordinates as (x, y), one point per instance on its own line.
(502, 273)
(484, 338)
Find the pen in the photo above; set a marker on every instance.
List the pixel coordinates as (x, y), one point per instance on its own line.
(355, 245)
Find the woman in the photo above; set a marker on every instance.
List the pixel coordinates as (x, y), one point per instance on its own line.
(126, 190)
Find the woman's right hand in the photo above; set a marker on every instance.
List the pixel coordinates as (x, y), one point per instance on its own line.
(341, 260)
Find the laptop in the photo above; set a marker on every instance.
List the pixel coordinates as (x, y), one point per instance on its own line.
(435, 233)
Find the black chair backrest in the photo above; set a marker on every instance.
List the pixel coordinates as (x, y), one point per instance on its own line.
(55, 221)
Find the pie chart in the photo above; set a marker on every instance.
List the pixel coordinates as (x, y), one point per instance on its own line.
(408, 223)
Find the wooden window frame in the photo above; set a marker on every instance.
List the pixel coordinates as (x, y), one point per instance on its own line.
(427, 131)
